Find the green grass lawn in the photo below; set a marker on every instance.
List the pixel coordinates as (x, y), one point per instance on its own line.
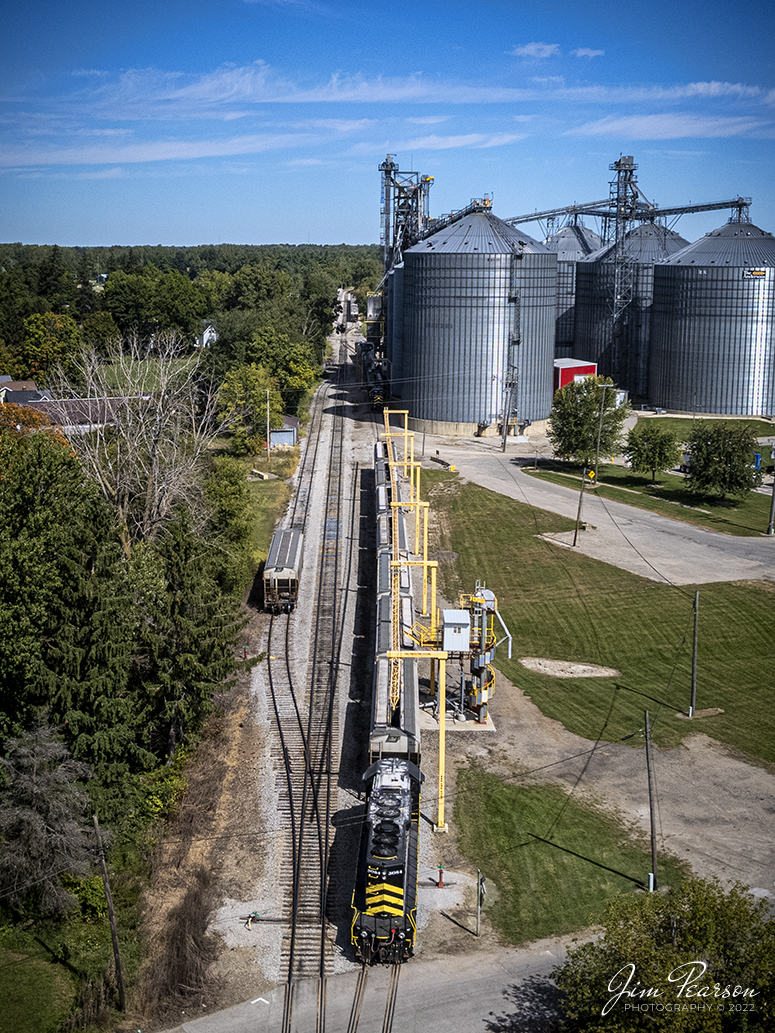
(562, 605)
(668, 497)
(682, 426)
(270, 501)
(555, 862)
(36, 995)
(50, 968)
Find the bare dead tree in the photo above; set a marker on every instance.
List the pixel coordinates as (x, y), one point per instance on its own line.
(152, 416)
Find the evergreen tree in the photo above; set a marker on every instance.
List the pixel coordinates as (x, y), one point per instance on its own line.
(56, 282)
(188, 638)
(17, 302)
(229, 525)
(65, 633)
(43, 503)
(88, 654)
(42, 821)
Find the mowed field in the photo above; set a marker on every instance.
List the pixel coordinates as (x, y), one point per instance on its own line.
(555, 860)
(562, 605)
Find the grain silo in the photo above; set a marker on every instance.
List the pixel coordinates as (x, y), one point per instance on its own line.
(621, 351)
(479, 303)
(571, 243)
(713, 324)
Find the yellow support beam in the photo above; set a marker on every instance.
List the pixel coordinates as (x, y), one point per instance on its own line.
(440, 655)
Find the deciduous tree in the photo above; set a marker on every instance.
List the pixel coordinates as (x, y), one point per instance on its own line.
(242, 400)
(147, 457)
(679, 957)
(49, 339)
(651, 448)
(575, 421)
(21, 420)
(722, 460)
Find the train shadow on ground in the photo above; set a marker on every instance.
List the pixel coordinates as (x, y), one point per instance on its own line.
(353, 761)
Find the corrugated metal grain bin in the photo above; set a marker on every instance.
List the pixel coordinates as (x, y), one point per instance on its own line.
(470, 291)
(713, 325)
(571, 244)
(626, 358)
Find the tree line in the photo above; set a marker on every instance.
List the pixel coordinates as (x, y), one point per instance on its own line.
(54, 299)
(587, 421)
(124, 551)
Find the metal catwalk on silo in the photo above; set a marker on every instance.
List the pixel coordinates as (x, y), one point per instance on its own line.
(622, 355)
(478, 305)
(713, 324)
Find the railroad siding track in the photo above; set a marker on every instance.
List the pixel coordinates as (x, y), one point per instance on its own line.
(307, 720)
(311, 950)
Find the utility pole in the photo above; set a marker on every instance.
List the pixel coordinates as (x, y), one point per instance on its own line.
(693, 702)
(600, 429)
(581, 499)
(653, 873)
(510, 382)
(480, 892)
(267, 426)
(112, 917)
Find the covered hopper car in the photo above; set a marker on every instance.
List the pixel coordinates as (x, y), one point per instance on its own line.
(282, 571)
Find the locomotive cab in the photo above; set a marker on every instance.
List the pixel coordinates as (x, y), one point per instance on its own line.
(385, 897)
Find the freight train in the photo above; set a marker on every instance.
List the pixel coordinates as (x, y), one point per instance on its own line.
(384, 902)
(374, 375)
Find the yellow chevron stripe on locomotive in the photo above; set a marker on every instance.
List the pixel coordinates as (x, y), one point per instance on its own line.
(385, 900)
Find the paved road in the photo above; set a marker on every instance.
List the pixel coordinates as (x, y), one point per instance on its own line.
(633, 539)
(476, 993)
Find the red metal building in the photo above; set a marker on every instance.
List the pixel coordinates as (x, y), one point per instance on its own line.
(568, 370)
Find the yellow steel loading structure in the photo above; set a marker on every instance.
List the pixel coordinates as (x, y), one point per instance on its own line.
(466, 633)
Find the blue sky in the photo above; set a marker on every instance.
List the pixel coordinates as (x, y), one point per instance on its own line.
(264, 121)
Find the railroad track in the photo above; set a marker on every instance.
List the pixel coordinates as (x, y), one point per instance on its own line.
(306, 716)
(360, 993)
(306, 747)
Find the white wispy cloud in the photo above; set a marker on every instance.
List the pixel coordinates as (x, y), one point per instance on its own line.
(539, 50)
(672, 126)
(113, 173)
(717, 89)
(109, 119)
(586, 52)
(335, 125)
(231, 92)
(442, 143)
(153, 151)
